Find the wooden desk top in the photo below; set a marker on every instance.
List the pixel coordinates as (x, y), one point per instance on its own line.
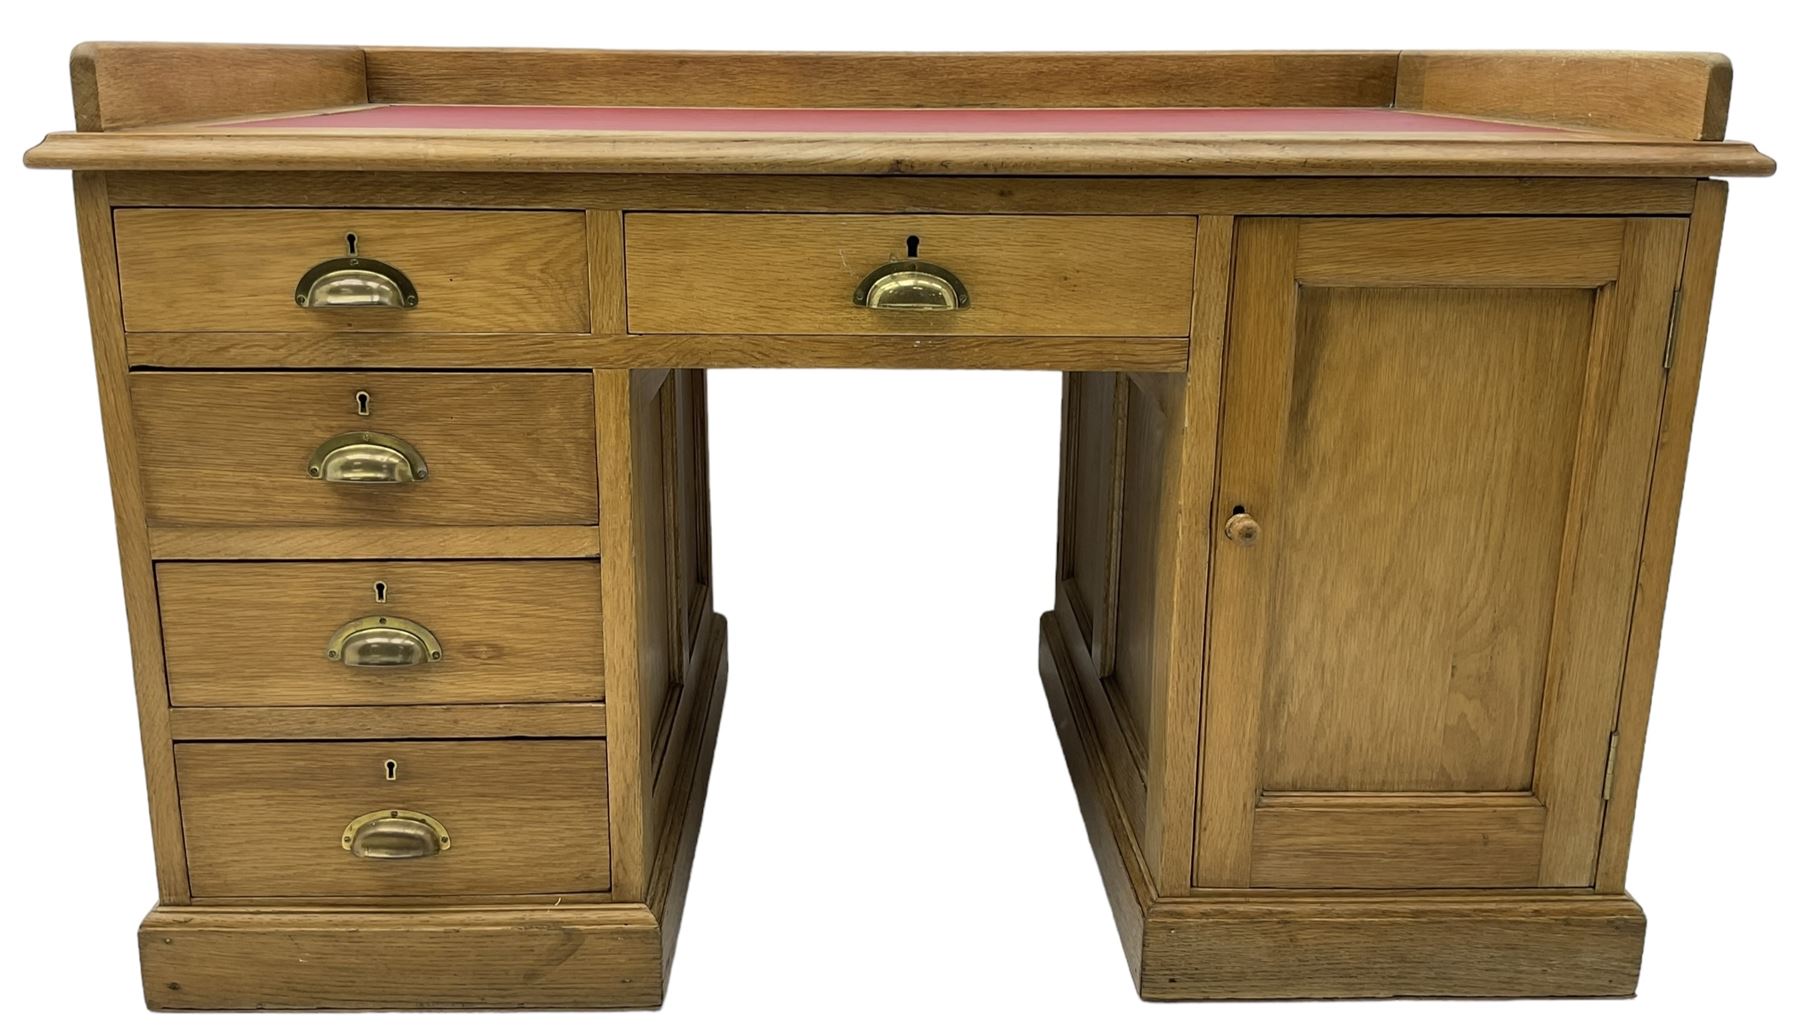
(212, 107)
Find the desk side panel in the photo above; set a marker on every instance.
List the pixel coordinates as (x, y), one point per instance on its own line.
(93, 213)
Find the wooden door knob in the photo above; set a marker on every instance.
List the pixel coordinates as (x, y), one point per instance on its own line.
(1242, 528)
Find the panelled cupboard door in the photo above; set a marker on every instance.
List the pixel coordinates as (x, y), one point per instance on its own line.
(1438, 434)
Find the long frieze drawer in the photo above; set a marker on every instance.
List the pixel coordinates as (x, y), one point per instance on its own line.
(902, 274)
(394, 819)
(295, 450)
(313, 634)
(352, 269)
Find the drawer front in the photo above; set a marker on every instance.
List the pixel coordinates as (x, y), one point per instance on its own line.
(798, 274)
(263, 634)
(237, 449)
(198, 269)
(269, 819)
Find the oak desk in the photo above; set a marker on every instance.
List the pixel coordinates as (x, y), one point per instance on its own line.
(1379, 377)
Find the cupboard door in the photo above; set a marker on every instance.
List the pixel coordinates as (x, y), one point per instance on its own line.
(1442, 430)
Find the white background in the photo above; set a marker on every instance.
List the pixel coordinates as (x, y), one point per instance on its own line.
(891, 840)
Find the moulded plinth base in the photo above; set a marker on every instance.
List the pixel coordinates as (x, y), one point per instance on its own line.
(495, 956)
(1220, 944)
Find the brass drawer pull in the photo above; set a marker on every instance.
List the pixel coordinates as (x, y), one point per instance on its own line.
(912, 285)
(383, 642)
(395, 835)
(355, 282)
(366, 457)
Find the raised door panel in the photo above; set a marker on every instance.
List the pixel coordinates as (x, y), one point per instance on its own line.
(1425, 477)
(1444, 429)
(1095, 408)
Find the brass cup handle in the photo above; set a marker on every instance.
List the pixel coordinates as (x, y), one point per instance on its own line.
(366, 457)
(395, 835)
(1243, 529)
(355, 282)
(912, 285)
(384, 642)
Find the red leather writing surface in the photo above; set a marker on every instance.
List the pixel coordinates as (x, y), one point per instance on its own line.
(999, 121)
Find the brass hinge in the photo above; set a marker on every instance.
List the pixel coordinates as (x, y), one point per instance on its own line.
(1612, 757)
(1669, 341)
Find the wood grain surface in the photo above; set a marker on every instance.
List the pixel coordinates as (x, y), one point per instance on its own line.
(582, 956)
(1026, 275)
(253, 634)
(353, 543)
(1293, 154)
(267, 819)
(1332, 947)
(1409, 626)
(1482, 842)
(1676, 95)
(1460, 628)
(118, 434)
(476, 271)
(1687, 344)
(415, 721)
(640, 78)
(230, 449)
(980, 195)
(120, 85)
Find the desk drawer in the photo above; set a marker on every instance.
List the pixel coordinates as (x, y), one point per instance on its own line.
(229, 269)
(261, 634)
(240, 449)
(798, 274)
(270, 819)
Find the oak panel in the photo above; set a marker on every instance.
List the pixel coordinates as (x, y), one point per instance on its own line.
(795, 274)
(94, 227)
(416, 721)
(354, 543)
(225, 449)
(267, 819)
(1093, 446)
(1145, 436)
(1261, 944)
(1254, 403)
(891, 351)
(606, 956)
(1609, 503)
(636, 615)
(1687, 346)
(1416, 554)
(1080, 195)
(121, 85)
(1678, 95)
(1393, 845)
(1450, 461)
(1466, 945)
(253, 634)
(217, 350)
(429, 75)
(1128, 882)
(1513, 252)
(222, 269)
(1556, 154)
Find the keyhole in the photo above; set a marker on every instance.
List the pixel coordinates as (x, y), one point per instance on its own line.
(362, 403)
(350, 242)
(381, 591)
(912, 246)
(392, 769)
